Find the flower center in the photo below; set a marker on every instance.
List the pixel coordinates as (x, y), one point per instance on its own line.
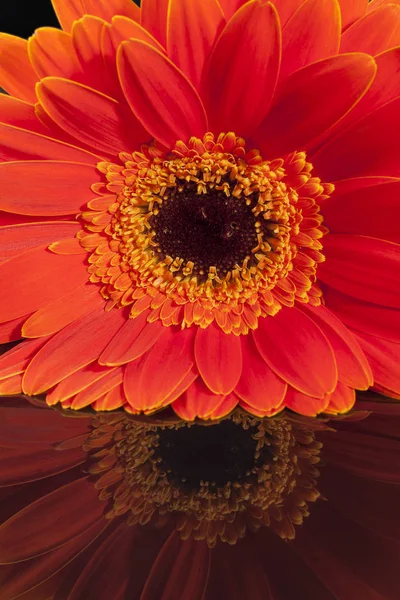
(208, 232)
(211, 230)
(212, 481)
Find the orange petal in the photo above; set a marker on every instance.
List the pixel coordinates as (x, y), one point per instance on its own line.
(312, 33)
(68, 11)
(154, 18)
(52, 52)
(298, 351)
(304, 404)
(97, 389)
(72, 348)
(67, 246)
(87, 36)
(20, 114)
(285, 130)
(352, 10)
(353, 367)
(49, 188)
(375, 32)
(197, 401)
(254, 72)
(63, 514)
(150, 379)
(370, 146)
(286, 8)
(76, 382)
(259, 412)
(17, 359)
(218, 358)
(192, 28)
(57, 314)
(134, 339)
(17, 76)
(36, 278)
(90, 116)
(115, 398)
(21, 144)
(145, 74)
(12, 385)
(374, 4)
(229, 403)
(258, 385)
(341, 400)
(16, 239)
(364, 267)
(180, 389)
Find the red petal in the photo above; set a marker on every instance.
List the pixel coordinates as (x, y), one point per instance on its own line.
(75, 346)
(150, 379)
(374, 32)
(62, 311)
(341, 400)
(351, 212)
(20, 465)
(16, 239)
(312, 33)
(363, 316)
(17, 75)
(161, 97)
(21, 144)
(89, 116)
(63, 515)
(97, 389)
(192, 28)
(258, 385)
(297, 350)
(384, 358)
(229, 7)
(228, 404)
(11, 331)
(285, 130)
(259, 412)
(46, 187)
(20, 114)
(33, 279)
(134, 339)
(304, 404)
(353, 367)
(154, 18)
(352, 10)
(108, 571)
(197, 401)
(113, 399)
(28, 426)
(256, 25)
(363, 267)
(76, 382)
(68, 11)
(218, 358)
(368, 147)
(180, 571)
(286, 8)
(18, 581)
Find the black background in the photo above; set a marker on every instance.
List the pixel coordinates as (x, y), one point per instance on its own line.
(22, 17)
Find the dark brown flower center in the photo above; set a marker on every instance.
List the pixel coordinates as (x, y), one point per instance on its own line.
(209, 229)
(227, 453)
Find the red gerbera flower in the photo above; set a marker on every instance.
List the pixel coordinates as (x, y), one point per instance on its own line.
(190, 206)
(101, 507)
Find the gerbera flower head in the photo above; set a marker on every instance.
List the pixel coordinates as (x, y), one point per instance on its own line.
(106, 506)
(197, 206)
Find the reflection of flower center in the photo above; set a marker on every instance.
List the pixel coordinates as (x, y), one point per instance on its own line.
(207, 232)
(213, 481)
